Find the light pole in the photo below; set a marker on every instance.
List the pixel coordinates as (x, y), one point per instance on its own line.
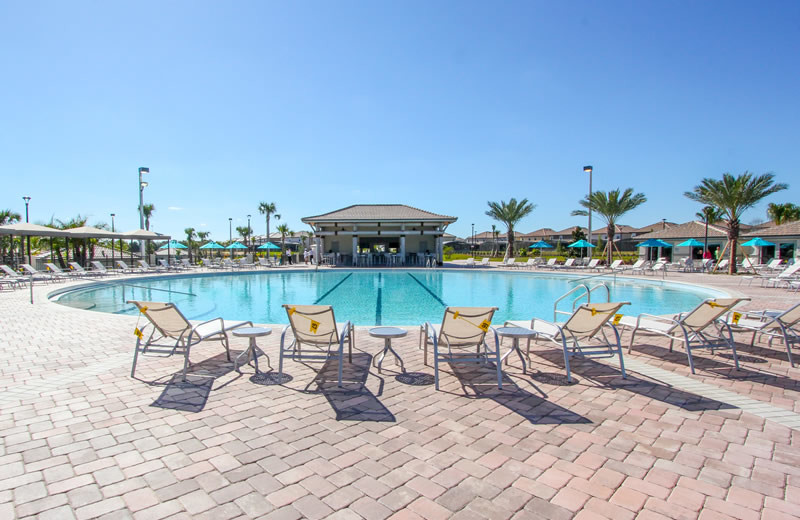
(588, 169)
(473, 238)
(230, 230)
(112, 239)
(27, 201)
(142, 186)
(248, 233)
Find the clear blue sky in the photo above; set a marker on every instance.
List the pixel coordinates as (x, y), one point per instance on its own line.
(316, 105)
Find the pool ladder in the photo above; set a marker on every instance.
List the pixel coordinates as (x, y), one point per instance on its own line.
(583, 291)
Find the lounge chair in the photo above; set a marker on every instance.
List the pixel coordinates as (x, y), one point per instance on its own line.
(122, 266)
(616, 265)
(166, 265)
(45, 277)
(150, 269)
(462, 329)
(591, 266)
(12, 277)
(509, 262)
(209, 264)
(784, 277)
(638, 267)
(98, 269)
(551, 264)
(774, 324)
(585, 334)
(722, 265)
(470, 262)
(186, 265)
(171, 333)
(485, 262)
(699, 328)
(315, 325)
(658, 267)
(569, 263)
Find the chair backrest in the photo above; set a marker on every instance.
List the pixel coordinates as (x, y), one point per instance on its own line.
(163, 262)
(511, 261)
(165, 317)
(53, 268)
(313, 324)
(589, 318)
(790, 317)
(569, 262)
(723, 264)
(790, 271)
(470, 261)
(530, 261)
(78, 268)
(485, 261)
(639, 263)
(143, 264)
(747, 263)
(774, 263)
(10, 272)
(185, 262)
(593, 262)
(615, 264)
(122, 265)
(552, 261)
(659, 266)
(709, 310)
(97, 265)
(465, 326)
(29, 268)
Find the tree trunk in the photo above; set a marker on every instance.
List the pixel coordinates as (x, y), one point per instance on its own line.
(610, 242)
(705, 241)
(733, 238)
(510, 248)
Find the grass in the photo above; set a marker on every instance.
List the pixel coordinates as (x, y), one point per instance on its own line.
(627, 256)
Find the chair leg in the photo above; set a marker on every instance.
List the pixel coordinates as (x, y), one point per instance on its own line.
(630, 345)
(621, 362)
(341, 360)
(689, 355)
(566, 364)
(498, 366)
(735, 356)
(136, 357)
(185, 363)
(435, 363)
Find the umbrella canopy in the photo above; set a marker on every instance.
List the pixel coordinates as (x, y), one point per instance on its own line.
(541, 244)
(26, 229)
(91, 232)
(236, 245)
(581, 243)
(173, 244)
(691, 243)
(268, 245)
(143, 234)
(212, 245)
(758, 242)
(654, 242)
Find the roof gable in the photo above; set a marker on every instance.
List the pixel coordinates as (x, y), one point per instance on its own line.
(374, 212)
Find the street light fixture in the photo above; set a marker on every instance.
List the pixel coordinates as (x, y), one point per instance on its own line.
(112, 239)
(142, 186)
(230, 230)
(588, 169)
(27, 201)
(473, 237)
(248, 233)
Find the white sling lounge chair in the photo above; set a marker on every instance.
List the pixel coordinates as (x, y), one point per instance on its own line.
(589, 332)
(462, 329)
(773, 324)
(97, 268)
(315, 325)
(699, 328)
(38, 275)
(13, 275)
(551, 264)
(616, 265)
(172, 333)
(470, 262)
(783, 277)
(485, 262)
(55, 270)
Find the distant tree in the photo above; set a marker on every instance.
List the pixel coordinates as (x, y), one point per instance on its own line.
(610, 206)
(284, 230)
(243, 231)
(782, 213)
(734, 196)
(7, 217)
(190, 236)
(708, 214)
(494, 241)
(148, 210)
(510, 213)
(268, 208)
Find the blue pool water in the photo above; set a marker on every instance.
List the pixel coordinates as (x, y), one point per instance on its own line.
(373, 297)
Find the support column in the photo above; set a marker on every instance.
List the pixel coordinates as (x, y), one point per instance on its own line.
(355, 250)
(318, 247)
(403, 249)
(439, 242)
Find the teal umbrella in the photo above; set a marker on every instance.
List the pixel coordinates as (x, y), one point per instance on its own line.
(173, 244)
(541, 244)
(236, 245)
(581, 243)
(691, 243)
(268, 245)
(212, 245)
(758, 242)
(655, 242)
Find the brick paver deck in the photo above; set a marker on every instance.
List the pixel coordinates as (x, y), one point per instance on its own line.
(82, 439)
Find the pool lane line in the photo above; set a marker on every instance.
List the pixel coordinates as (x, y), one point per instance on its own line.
(333, 288)
(428, 290)
(379, 304)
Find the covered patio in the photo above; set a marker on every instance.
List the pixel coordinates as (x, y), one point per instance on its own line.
(379, 234)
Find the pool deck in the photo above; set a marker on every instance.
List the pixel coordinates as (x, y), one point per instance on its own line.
(82, 439)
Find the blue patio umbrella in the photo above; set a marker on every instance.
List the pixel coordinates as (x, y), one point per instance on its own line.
(581, 243)
(236, 245)
(691, 243)
(268, 245)
(173, 244)
(655, 242)
(758, 242)
(541, 244)
(211, 245)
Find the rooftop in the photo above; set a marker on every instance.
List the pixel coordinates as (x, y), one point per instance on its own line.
(375, 212)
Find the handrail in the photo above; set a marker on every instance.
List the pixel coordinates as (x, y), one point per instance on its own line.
(591, 276)
(587, 293)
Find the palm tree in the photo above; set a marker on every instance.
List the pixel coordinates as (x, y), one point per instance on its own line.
(510, 213)
(268, 208)
(7, 217)
(202, 236)
(148, 210)
(243, 231)
(190, 236)
(708, 214)
(610, 206)
(781, 213)
(283, 229)
(733, 196)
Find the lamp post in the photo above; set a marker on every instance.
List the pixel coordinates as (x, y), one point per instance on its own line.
(27, 201)
(230, 230)
(142, 186)
(112, 239)
(588, 169)
(248, 233)
(473, 238)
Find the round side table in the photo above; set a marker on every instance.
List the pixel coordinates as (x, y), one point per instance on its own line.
(387, 333)
(252, 333)
(515, 333)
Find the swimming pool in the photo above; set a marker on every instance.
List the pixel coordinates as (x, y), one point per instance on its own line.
(375, 297)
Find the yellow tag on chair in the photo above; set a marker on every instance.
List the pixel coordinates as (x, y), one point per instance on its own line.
(736, 317)
(617, 319)
(484, 326)
(594, 311)
(138, 333)
(714, 304)
(314, 326)
(455, 315)
(143, 309)
(292, 310)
